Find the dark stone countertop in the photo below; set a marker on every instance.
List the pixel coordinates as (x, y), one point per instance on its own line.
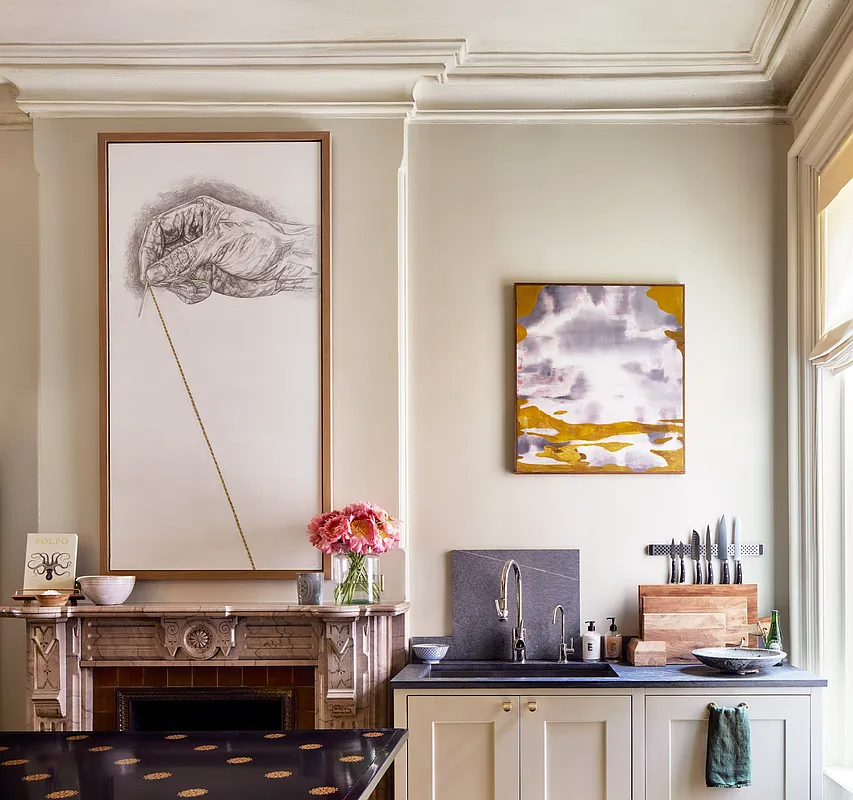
(675, 676)
(345, 765)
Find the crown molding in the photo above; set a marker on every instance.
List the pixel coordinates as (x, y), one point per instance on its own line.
(841, 34)
(719, 114)
(417, 79)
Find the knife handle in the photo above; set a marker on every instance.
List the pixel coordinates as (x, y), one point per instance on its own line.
(738, 572)
(725, 576)
(673, 574)
(681, 574)
(698, 571)
(710, 578)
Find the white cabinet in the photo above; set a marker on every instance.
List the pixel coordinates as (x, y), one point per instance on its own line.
(576, 747)
(463, 748)
(504, 747)
(676, 739)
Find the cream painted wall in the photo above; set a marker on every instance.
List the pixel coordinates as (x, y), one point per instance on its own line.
(18, 390)
(490, 205)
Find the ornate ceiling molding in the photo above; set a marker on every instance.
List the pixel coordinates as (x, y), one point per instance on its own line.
(421, 79)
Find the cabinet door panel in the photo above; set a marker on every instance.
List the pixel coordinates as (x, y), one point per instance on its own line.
(676, 743)
(462, 748)
(576, 746)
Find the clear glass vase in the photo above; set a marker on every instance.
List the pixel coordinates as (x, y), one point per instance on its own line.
(356, 578)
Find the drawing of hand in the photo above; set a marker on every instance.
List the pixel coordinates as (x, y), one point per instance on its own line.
(205, 246)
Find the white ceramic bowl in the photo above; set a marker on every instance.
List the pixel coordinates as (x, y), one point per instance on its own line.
(430, 653)
(107, 590)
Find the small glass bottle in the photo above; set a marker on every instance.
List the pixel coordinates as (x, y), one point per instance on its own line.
(613, 642)
(774, 635)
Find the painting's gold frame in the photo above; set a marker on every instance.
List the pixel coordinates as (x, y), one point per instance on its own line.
(515, 467)
(325, 500)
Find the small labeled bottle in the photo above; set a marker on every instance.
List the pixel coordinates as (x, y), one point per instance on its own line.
(613, 642)
(774, 635)
(591, 643)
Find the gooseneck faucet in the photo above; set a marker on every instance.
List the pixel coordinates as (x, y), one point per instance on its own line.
(518, 645)
(565, 649)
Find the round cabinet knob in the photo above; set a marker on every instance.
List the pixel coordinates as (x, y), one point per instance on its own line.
(531, 706)
(507, 706)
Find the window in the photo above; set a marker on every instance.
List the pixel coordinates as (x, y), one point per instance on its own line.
(833, 355)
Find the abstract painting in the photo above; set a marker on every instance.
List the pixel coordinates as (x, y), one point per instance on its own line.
(214, 352)
(599, 378)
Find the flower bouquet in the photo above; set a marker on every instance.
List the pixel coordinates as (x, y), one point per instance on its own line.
(355, 536)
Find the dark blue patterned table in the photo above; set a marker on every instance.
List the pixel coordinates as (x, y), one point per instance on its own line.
(343, 765)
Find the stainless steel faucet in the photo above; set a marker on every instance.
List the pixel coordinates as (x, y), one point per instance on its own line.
(564, 648)
(518, 646)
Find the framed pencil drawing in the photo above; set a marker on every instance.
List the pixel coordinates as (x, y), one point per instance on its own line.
(215, 337)
(599, 378)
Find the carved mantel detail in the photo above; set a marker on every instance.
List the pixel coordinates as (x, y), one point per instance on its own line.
(354, 649)
(198, 637)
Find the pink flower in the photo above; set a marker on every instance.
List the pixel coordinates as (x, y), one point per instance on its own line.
(361, 528)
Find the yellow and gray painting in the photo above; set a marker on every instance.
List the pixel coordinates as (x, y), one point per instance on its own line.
(599, 378)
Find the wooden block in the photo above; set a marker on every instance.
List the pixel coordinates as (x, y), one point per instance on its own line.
(646, 654)
(737, 625)
(683, 633)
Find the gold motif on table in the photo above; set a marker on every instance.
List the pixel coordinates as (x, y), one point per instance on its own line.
(62, 793)
(156, 776)
(124, 761)
(192, 792)
(101, 748)
(310, 746)
(36, 776)
(275, 736)
(280, 773)
(77, 737)
(242, 760)
(14, 762)
(205, 747)
(351, 759)
(321, 790)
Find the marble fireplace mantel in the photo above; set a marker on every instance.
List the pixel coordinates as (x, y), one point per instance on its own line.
(354, 649)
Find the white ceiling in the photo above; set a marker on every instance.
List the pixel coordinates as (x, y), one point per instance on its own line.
(623, 26)
(541, 59)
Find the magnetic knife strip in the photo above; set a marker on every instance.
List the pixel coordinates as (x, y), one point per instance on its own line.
(745, 550)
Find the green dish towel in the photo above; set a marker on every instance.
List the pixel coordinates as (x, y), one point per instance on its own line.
(728, 764)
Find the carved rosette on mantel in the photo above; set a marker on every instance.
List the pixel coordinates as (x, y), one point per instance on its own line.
(355, 651)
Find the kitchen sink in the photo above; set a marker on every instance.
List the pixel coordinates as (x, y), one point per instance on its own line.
(505, 670)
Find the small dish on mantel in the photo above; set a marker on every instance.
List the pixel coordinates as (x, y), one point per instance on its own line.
(52, 598)
(739, 660)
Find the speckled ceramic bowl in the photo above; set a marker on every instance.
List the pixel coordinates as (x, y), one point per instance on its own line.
(107, 590)
(430, 653)
(739, 660)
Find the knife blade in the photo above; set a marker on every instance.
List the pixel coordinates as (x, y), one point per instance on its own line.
(672, 574)
(695, 549)
(709, 556)
(736, 540)
(723, 549)
(681, 558)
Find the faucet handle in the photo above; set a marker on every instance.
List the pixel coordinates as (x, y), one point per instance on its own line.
(503, 611)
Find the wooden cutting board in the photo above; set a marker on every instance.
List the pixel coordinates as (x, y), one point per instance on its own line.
(684, 632)
(749, 591)
(734, 608)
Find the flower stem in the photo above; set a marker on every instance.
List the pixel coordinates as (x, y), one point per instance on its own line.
(356, 580)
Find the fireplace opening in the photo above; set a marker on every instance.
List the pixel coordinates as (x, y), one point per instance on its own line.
(204, 709)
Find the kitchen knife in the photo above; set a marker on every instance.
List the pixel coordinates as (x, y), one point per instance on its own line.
(723, 549)
(709, 556)
(681, 558)
(672, 574)
(695, 548)
(736, 539)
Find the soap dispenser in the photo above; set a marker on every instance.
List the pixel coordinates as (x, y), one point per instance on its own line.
(591, 643)
(613, 642)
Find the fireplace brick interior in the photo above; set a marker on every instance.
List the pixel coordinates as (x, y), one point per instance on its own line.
(107, 679)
